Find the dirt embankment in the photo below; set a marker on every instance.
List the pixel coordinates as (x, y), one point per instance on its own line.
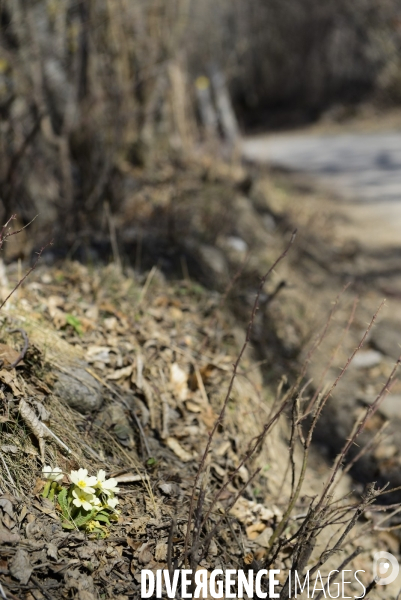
(130, 372)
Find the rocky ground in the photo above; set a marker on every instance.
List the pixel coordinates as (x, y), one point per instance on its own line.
(129, 372)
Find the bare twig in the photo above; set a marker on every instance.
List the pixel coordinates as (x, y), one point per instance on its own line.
(371, 443)
(11, 480)
(345, 562)
(220, 418)
(39, 254)
(170, 547)
(370, 411)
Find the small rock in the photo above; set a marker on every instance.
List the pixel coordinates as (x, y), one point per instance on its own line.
(390, 407)
(213, 259)
(237, 244)
(79, 390)
(386, 337)
(264, 537)
(384, 451)
(234, 247)
(367, 359)
(166, 488)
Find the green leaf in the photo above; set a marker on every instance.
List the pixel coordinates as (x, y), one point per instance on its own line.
(102, 518)
(84, 518)
(63, 501)
(151, 461)
(75, 323)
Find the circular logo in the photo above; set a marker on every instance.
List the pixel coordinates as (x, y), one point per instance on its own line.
(385, 568)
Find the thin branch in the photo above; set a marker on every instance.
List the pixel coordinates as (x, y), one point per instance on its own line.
(39, 254)
(220, 418)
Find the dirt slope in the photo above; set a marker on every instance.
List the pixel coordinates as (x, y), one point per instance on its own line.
(130, 372)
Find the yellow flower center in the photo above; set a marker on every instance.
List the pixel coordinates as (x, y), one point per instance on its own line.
(81, 484)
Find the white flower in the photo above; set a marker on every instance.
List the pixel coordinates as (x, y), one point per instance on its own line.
(55, 474)
(107, 486)
(112, 502)
(87, 501)
(82, 481)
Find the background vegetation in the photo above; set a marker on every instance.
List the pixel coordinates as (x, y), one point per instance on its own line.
(89, 89)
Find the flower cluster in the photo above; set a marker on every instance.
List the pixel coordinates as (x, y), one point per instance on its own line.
(89, 500)
(95, 491)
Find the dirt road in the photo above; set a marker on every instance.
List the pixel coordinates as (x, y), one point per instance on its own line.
(362, 169)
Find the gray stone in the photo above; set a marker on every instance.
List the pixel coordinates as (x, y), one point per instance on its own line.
(213, 259)
(79, 390)
(390, 407)
(386, 337)
(366, 359)
(264, 538)
(234, 248)
(237, 244)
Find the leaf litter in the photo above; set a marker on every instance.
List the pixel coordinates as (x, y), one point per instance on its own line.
(128, 375)
(159, 397)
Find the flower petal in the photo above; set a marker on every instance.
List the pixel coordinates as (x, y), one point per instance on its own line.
(101, 475)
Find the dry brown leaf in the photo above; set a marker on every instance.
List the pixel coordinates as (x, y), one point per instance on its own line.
(120, 373)
(8, 521)
(222, 449)
(134, 544)
(7, 506)
(110, 308)
(46, 507)
(20, 566)
(98, 354)
(219, 470)
(57, 315)
(254, 530)
(178, 450)
(144, 553)
(193, 407)
(208, 416)
(7, 354)
(249, 512)
(86, 324)
(205, 372)
(55, 302)
(264, 538)
(139, 525)
(175, 313)
(23, 513)
(10, 379)
(10, 448)
(178, 379)
(110, 323)
(35, 425)
(6, 537)
(161, 551)
(39, 485)
(147, 390)
(51, 550)
(92, 313)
